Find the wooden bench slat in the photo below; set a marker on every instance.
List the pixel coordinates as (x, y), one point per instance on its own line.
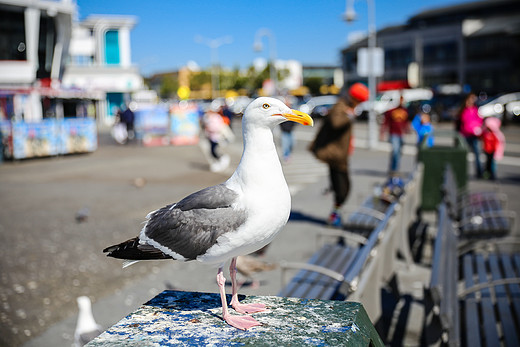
(346, 260)
(486, 205)
(514, 289)
(471, 314)
(338, 256)
(298, 279)
(504, 309)
(313, 285)
(488, 312)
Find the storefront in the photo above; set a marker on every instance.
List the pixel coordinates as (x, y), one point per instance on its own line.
(47, 122)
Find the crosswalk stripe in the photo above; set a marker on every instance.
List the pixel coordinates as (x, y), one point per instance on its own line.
(302, 171)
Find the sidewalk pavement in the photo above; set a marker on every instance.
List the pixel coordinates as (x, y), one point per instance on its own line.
(297, 242)
(310, 210)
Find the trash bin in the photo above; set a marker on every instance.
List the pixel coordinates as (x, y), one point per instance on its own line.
(435, 159)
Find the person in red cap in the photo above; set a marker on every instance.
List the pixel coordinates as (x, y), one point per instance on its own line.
(334, 144)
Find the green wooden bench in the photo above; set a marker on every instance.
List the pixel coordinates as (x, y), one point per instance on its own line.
(357, 268)
(478, 214)
(175, 318)
(474, 294)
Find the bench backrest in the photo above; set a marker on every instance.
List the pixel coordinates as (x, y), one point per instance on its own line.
(450, 191)
(443, 284)
(364, 253)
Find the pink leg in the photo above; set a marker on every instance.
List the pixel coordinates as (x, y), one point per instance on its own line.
(240, 308)
(239, 322)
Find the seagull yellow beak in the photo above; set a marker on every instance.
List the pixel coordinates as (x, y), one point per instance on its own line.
(299, 117)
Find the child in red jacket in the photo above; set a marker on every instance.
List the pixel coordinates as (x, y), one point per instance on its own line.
(493, 142)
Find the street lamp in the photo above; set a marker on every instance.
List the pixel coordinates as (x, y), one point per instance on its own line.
(214, 44)
(349, 16)
(257, 46)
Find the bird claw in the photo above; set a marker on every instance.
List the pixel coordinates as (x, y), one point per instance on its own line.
(241, 322)
(248, 308)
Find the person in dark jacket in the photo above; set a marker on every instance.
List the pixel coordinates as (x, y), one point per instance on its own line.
(128, 118)
(334, 144)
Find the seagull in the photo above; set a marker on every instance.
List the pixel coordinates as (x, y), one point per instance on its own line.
(86, 327)
(222, 222)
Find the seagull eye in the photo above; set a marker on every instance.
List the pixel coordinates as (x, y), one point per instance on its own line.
(266, 106)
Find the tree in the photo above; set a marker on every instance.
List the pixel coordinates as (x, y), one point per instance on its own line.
(314, 84)
(169, 86)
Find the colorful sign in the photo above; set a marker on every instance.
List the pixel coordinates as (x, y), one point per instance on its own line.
(35, 139)
(152, 126)
(185, 125)
(49, 137)
(78, 135)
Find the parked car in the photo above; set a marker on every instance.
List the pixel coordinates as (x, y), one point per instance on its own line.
(513, 111)
(319, 106)
(444, 107)
(499, 106)
(390, 99)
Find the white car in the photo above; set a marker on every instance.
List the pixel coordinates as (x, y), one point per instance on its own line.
(513, 110)
(495, 107)
(319, 106)
(390, 99)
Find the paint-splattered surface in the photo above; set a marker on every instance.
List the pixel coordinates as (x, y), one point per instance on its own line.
(175, 318)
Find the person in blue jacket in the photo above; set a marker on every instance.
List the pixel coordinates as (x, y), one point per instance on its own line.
(423, 126)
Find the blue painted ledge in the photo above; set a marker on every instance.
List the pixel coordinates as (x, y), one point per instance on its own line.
(176, 318)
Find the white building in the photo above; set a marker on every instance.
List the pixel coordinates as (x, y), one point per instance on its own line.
(51, 102)
(34, 40)
(100, 62)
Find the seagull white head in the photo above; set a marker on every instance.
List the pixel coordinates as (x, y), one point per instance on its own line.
(270, 112)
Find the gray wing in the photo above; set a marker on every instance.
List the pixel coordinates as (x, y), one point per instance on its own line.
(193, 225)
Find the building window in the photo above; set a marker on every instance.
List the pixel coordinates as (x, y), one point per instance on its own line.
(350, 61)
(12, 36)
(440, 53)
(398, 57)
(82, 60)
(46, 43)
(112, 47)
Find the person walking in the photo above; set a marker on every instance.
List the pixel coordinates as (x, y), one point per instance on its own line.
(470, 127)
(333, 145)
(215, 129)
(397, 124)
(423, 127)
(493, 141)
(287, 138)
(128, 118)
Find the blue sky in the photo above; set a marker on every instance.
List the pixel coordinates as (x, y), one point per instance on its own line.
(312, 32)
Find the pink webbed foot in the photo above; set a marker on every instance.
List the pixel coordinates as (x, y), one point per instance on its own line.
(241, 322)
(248, 308)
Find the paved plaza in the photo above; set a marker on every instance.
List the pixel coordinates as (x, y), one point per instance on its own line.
(49, 257)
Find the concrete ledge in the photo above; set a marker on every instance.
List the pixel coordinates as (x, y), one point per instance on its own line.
(188, 318)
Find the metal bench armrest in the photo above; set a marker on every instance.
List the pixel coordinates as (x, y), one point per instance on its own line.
(285, 265)
(364, 210)
(346, 235)
(485, 245)
(480, 286)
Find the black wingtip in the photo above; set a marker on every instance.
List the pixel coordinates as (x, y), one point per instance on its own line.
(131, 250)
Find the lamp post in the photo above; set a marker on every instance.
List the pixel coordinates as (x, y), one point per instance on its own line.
(257, 46)
(349, 16)
(214, 44)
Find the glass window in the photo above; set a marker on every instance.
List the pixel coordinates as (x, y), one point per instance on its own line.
(112, 47)
(445, 52)
(12, 35)
(46, 43)
(398, 57)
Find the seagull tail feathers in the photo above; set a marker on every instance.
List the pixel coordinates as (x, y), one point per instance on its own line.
(132, 250)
